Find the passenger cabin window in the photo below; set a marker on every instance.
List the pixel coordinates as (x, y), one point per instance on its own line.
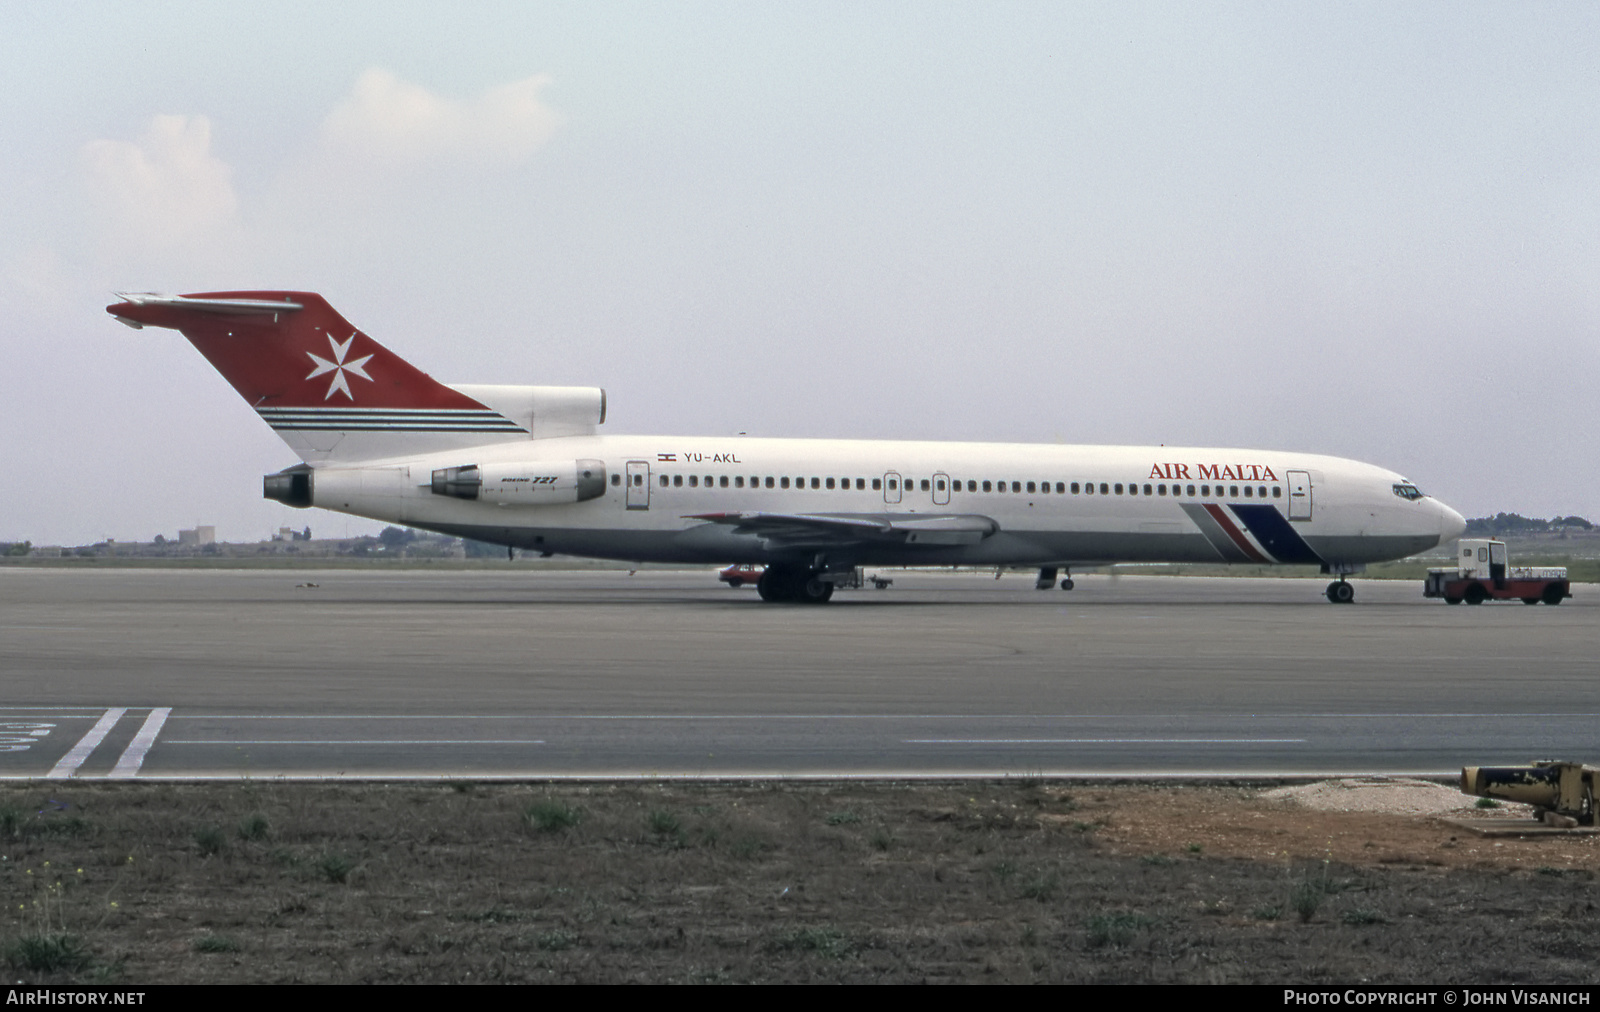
(987, 487)
(677, 480)
(1118, 488)
(738, 481)
(783, 482)
(816, 483)
(769, 481)
(1088, 488)
(1161, 490)
(924, 484)
(877, 484)
(1191, 490)
(663, 481)
(830, 483)
(1074, 488)
(616, 479)
(694, 480)
(1277, 491)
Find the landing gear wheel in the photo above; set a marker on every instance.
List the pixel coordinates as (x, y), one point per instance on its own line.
(775, 585)
(1067, 584)
(1340, 592)
(1475, 594)
(815, 590)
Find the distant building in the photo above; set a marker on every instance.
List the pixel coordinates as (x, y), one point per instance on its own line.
(197, 537)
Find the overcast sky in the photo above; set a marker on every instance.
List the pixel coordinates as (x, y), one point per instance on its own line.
(1369, 230)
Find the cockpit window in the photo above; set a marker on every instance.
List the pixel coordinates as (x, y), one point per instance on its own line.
(1405, 490)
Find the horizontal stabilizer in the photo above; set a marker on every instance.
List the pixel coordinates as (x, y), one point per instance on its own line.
(232, 307)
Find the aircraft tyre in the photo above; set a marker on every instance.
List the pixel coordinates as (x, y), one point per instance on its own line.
(1340, 592)
(814, 590)
(1475, 594)
(1067, 584)
(775, 585)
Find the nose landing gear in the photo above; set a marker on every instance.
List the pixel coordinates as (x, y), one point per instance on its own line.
(1047, 579)
(1340, 592)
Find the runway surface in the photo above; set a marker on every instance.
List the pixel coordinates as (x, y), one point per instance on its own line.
(474, 674)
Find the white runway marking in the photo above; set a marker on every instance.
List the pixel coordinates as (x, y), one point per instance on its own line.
(1103, 741)
(74, 758)
(133, 756)
(371, 741)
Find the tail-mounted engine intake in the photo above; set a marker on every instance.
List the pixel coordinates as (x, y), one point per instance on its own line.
(537, 483)
(291, 486)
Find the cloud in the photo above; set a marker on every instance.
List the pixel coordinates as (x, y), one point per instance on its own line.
(166, 188)
(385, 121)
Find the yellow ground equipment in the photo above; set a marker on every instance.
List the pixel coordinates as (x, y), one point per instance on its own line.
(1563, 790)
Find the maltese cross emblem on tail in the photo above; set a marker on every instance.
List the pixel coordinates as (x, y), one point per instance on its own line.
(339, 367)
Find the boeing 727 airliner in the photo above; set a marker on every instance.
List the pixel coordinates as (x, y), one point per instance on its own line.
(525, 466)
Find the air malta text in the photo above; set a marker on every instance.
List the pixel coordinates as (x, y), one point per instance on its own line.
(1215, 472)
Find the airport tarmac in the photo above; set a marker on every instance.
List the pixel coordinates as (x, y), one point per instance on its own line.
(155, 673)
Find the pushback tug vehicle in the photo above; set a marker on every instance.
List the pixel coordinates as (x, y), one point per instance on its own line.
(1481, 574)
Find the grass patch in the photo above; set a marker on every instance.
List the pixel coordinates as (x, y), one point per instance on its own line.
(1362, 917)
(216, 943)
(823, 941)
(1114, 930)
(336, 867)
(556, 941)
(210, 840)
(1041, 887)
(48, 952)
(550, 816)
(254, 827)
(12, 821)
(1487, 803)
(844, 818)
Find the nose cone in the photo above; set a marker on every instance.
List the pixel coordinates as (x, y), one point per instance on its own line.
(1451, 524)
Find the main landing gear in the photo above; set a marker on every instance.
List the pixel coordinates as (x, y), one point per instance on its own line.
(1340, 592)
(794, 583)
(1047, 579)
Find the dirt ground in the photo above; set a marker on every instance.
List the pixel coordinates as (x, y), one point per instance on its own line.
(1016, 881)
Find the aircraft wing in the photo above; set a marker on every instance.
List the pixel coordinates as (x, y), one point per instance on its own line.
(837, 530)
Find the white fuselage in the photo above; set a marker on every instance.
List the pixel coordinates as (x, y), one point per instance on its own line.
(1048, 504)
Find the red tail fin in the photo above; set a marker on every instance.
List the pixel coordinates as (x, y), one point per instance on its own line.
(291, 350)
(330, 391)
